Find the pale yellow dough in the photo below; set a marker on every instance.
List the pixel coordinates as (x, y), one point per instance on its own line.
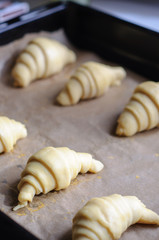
(53, 168)
(41, 58)
(142, 111)
(10, 132)
(90, 80)
(106, 218)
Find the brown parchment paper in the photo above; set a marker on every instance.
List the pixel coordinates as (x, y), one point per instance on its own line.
(131, 164)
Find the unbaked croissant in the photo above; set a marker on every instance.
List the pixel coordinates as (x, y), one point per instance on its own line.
(53, 168)
(40, 59)
(142, 111)
(90, 80)
(106, 218)
(10, 132)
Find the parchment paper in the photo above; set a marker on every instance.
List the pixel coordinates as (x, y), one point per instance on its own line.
(131, 164)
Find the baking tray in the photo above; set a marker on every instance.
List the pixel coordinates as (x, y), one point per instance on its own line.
(113, 38)
(128, 44)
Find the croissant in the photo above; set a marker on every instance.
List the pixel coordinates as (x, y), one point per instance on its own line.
(106, 218)
(10, 132)
(142, 111)
(40, 59)
(53, 168)
(90, 80)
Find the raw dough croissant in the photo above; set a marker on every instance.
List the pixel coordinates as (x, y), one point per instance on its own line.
(40, 59)
(142, 111)
(10, 132)
(53, 168)
(106, 218)
(90, 80)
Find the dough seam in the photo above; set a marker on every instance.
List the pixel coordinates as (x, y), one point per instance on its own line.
(27, 65)
(88, 228)
(40, 73)
(29, 181)
(94, 79)
(37, 177)
(69, 94)
(146, 110)
(134, 115)
(88, 76)
(45, 165)
(149, 96)
(83, 235)
(45, 57)
(5, 149)
(66, 165)
(105, 224)
(77, 79)
(32, 56)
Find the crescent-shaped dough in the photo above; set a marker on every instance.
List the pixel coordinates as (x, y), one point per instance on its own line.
(10, 132)
(53, 168)
(90, 80)
(142, 111)
(106, 218)
(41, 58)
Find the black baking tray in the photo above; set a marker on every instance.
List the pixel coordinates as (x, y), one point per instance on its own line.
(112, 38)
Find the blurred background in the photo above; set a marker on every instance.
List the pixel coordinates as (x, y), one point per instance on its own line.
(142, 12)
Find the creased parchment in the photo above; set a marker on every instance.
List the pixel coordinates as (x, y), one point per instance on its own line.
(131, 164)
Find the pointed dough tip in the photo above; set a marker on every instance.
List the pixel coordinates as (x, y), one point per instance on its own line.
(63, 98)
(97, 166)
(20, 205)
(120, 130)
